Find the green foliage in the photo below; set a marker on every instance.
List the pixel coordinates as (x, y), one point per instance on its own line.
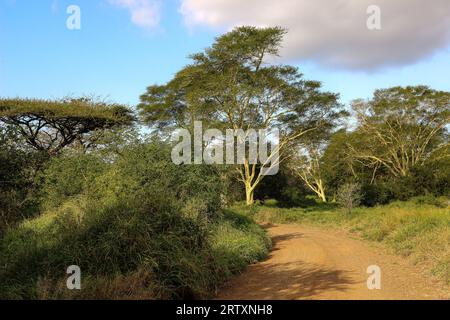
(399, 149)
(441, 202)
(402, 128)
(66, 108)
(349, 196)
(338, 168)
(145, 167)
(197, 90)
(113, 247)
(50, 126)
(140, 226)
(141, 219)
(231, 85)
(102, 241)
(430, 180)
(377, 193)
(70, 175)
(18, 197)
(237, 241)
(378, 185)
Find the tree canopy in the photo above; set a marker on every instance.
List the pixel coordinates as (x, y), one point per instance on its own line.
(231, 85)
(51, 125)
(402, 127)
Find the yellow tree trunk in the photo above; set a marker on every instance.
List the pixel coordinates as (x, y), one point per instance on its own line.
(249, 192)
(321, 191)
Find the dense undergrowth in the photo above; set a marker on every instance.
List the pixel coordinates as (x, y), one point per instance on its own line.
(139, 227)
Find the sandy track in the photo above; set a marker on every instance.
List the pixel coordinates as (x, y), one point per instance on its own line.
(313, 263)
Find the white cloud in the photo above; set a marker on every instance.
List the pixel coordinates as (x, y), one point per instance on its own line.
(334, 33)
(144, 13)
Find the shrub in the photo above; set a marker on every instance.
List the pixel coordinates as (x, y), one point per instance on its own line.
(441, 202)
(348, 196)
(146, 228)
(68, 176)
(375, 194)
(18, 187)
(144, 169)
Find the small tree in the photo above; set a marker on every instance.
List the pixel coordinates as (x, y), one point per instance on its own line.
(307, 167)
(349, 196)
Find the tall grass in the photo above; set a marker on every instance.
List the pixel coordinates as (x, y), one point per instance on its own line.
(142, 227)
(163, 257)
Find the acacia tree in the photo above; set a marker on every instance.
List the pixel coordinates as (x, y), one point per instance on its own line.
(231, 86)
(309, 163)
(402, 128)
(50, 126)
(307, 166)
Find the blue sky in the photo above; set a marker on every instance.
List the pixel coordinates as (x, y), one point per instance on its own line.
(115, 56)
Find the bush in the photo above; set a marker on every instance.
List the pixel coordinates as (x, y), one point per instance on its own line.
(237, 241)
(70, 175)
(163, 255)
(348, 196)
(18, 185)
(440, 202)
(144, 169)
(146, 228)
(375, 194)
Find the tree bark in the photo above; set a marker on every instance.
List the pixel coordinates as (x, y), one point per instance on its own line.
(321, 192)
(249, 192)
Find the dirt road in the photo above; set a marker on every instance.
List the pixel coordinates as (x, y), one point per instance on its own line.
(310, 263)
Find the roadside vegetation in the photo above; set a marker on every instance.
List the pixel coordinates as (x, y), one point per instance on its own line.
(133, 228)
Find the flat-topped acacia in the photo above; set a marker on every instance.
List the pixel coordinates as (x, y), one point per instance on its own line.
(51, 125)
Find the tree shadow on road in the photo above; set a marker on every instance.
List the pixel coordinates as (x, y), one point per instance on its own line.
(293, 280)
(287, 281)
